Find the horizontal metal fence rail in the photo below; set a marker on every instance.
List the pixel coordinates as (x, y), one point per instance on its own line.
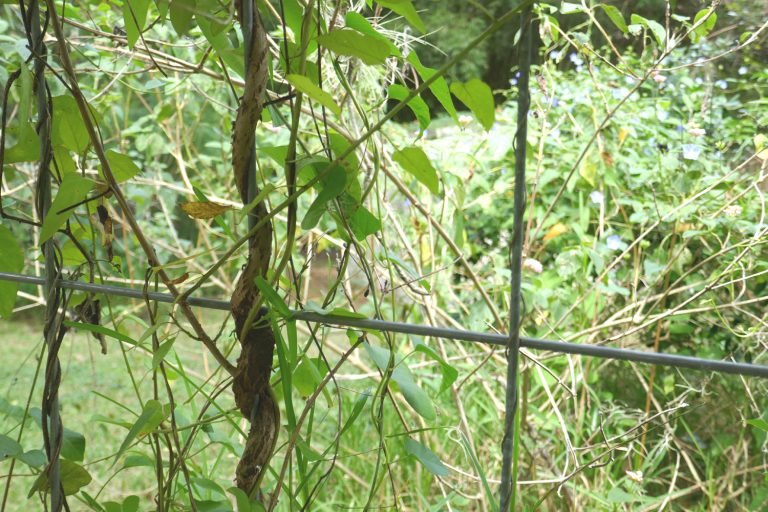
(620, 354)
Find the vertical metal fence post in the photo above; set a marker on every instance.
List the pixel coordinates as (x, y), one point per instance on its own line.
(507, 489)
(51, 419)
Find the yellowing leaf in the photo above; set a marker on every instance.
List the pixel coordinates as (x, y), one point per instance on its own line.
(761, 146)
(204, 209)
(555, 231)
(623, 134)
(588, 169)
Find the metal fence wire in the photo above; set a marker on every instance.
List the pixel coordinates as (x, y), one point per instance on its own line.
(512, 341)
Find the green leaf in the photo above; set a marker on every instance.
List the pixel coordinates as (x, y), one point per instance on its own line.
(705, 27)
(417, 105)
(272, 298)
(161, 352)
(588, 169)
(73, 445)
(73, 190)
(305, 85)
(244, 503)
(656, 29)
(450, 374)
(102, 330)
(64, 160)
(33, 458)
(427, 457)
(570, 8)
(405, 9)
(150, 418)
(214, 31)
(478, 97)
(616, 17)
(11, 260)
(354, 44)
(135, 18)
(356, 21)
(759, 423)
(315, 308)
(9, 448)
(364, 223)
(333, 185)
(356, 410)
(307, 376)
(138, 460)
(27, 147)
(181, 14)
(122, 166)
(439, 87)
(414, 161)
(73, 478)
(401, 375)
(131, 503)
(68, 128)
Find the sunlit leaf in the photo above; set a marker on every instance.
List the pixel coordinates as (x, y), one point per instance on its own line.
(150, 418)
(122, 166)
(710, 18)
(354, 44)
(761, 146)
(305, 85)
(364, 223)
(68, 128)
(356, 21)
(616, 17)
(417, 105)
(439, 87)
(555, 231)
(415, 161)
(204, 209)
(478, 97)
(570, 8)
(73, 190)
(759, 423)
(405, 9)
(658, 31)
